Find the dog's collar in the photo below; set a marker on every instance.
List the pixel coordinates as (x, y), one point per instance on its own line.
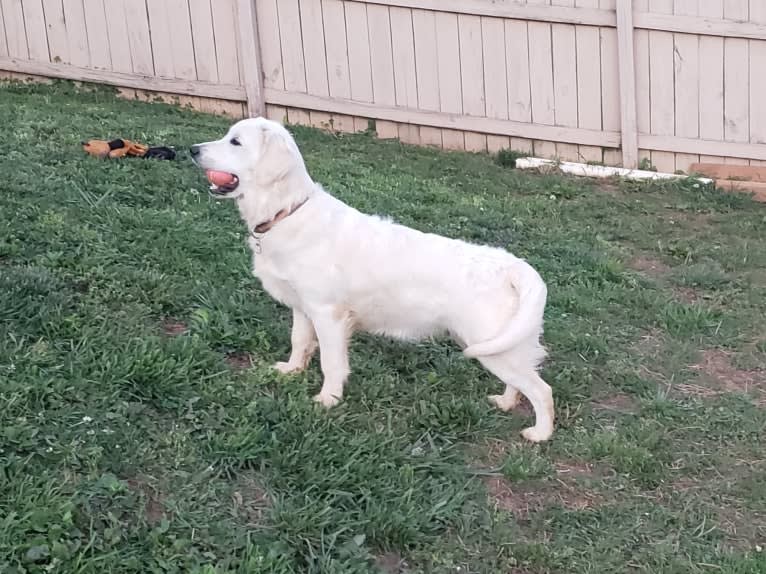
(266, 226)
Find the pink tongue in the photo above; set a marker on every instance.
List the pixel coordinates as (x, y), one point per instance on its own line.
(219, 177)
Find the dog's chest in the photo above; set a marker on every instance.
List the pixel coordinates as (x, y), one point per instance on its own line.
(274, 282)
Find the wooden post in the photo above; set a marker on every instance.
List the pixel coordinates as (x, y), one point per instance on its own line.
(250, 57)
(627, 63)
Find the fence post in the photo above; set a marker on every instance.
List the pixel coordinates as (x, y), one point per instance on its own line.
(250, 57)
(627, 66)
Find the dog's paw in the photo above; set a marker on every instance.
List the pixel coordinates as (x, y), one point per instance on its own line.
(504, 402)
(326, 400)
(533, 434)
(286, 368)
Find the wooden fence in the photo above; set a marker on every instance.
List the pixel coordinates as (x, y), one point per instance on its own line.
(615, 81)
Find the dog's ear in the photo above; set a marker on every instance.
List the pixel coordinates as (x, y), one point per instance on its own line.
(277, 158)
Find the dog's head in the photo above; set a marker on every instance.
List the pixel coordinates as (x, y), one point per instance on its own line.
(254, 153)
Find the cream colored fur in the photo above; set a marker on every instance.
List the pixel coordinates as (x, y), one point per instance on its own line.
(342, 271)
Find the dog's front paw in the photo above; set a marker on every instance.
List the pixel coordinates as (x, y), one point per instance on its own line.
(326, 400)
(286, 368)
(533, 434)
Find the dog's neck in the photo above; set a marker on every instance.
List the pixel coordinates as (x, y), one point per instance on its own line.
(263, 203)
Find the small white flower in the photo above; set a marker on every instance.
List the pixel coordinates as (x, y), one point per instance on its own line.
(91, 432)
(86, 419)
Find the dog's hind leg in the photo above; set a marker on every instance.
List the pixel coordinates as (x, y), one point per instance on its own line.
(303, 340)
(531, 385)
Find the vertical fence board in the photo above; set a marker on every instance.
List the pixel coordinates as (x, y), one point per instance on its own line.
(736, 80)
(495, 78)
(138, 37)
(117, 31)
(160, 22)
(181, 41)
(13, 18)
(541, 82)
(662, 86)
(98, 36)
(336, 46)
(450, 90)
(472, 76)
(382, 64)
(427, 71)
(517, 62)
(643, 98)
(76, 32)
(225, 33)
(565, 80)
(588, 82)
(687, 81)
(757, 80)
(204, 40)
(314, 56)
(711, 98)
(610, 83)
(405, 75)
(34, 24)
(357, 33)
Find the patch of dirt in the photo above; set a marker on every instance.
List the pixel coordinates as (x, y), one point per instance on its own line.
(717, 375)
(251, 500)
(524, 499)
(609, 189)
(154, 508)
(239, 360)
(649, 265)
(687, 295)
(617, 402)
(391, 563)
(174, 327)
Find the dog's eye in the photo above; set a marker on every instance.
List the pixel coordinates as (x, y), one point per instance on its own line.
(234, 141)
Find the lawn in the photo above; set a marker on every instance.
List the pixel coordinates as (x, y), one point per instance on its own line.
(142, 430)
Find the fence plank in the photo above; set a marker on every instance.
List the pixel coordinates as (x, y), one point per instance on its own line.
(336, 46)
(203, 40)
(736, 80)
(588, 82)
(181, 39)
(267, 15)
(160, 22)
(405, 76)
(541, 82)
(292, 46)
(662, 86)
(58, 44)
(3, 37)
(139, 38)
(495, 77)
(251, 72)
(382, 64)
(13, 16)
(757, 79)
(117, 30)
(628, 117)
(427, 71)
(472, 76)
(687, 81)
(225, 32)
(564, 49)
(99, 51)
(610, 83)
(76, 31)
(517, 62)
(359, 55)
(34, 24)
(643, 103)
(450, 90)
(711, 98)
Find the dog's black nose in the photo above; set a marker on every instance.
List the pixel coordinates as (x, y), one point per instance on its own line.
(194, 150)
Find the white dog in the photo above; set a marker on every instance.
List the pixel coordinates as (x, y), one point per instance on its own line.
(342, 271)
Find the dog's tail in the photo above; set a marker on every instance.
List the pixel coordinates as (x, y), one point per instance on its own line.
(532, 294)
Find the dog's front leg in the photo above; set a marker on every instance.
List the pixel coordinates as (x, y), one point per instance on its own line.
(303, 340)
(333, 333)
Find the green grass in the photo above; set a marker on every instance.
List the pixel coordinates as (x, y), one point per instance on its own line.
(131, 441)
